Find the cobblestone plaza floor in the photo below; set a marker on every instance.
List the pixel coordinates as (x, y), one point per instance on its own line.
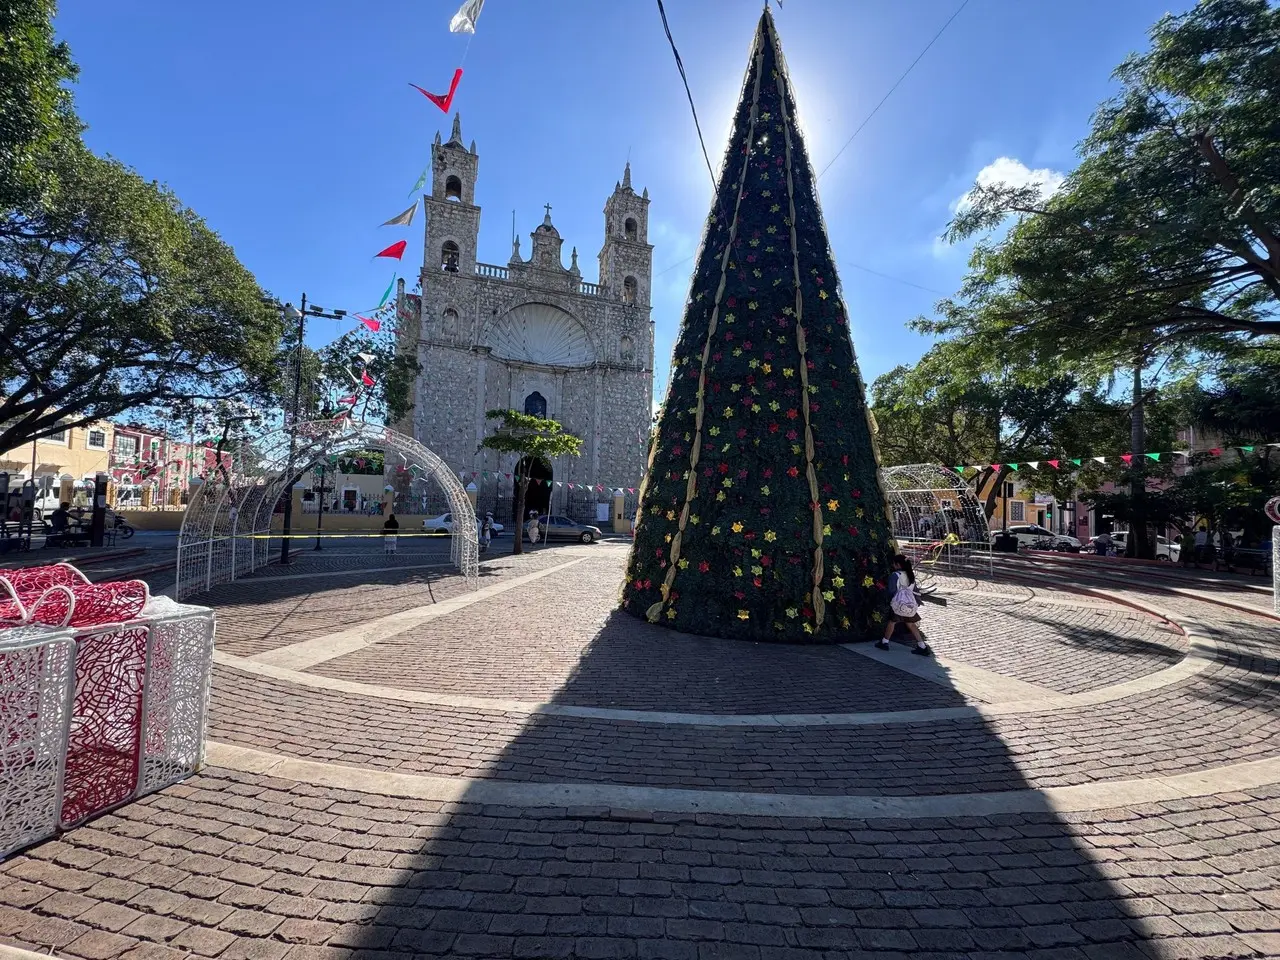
(398, 767)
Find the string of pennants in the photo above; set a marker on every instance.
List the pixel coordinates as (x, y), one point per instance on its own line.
(1126, 459)
(464, 21)
(536, 481)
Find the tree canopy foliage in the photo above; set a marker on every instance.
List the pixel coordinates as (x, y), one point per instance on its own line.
(114, 296)
(1167, 234)
(531, 438)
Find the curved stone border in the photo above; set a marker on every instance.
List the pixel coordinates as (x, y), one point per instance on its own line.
(1201, 650)
(1103, 795)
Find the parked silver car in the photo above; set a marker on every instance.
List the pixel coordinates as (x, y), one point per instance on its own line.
(562, 528)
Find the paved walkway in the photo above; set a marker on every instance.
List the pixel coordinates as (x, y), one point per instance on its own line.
(399, 768)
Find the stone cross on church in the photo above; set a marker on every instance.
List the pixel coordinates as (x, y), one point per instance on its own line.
(532, 336)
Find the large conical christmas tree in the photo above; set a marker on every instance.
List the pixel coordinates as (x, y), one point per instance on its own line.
(762, 516)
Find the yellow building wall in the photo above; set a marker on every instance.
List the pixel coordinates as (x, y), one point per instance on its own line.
(71, 457)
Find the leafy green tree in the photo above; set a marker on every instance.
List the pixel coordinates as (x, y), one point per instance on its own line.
(36, 113)
(342, 361)
(114, 297)
(531, 439)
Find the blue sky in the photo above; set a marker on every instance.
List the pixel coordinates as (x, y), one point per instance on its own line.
(291, 128)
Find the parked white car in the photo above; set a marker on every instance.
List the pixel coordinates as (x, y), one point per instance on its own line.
(444, 524)
(1167, 551)
(1031, 534)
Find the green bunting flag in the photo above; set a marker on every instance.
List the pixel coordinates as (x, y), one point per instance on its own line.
(1076, 461)
(387, 295)
(1247, 449)
(1153, 456)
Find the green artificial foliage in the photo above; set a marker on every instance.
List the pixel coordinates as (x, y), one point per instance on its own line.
(761, 515)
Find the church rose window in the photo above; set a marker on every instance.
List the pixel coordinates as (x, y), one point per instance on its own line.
(449, 256)
(535, 404)
(629, 290)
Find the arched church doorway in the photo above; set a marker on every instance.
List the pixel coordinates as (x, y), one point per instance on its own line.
(538, 495)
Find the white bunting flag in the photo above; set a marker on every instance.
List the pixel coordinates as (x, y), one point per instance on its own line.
(464, 21)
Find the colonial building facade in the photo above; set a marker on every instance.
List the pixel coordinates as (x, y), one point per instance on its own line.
(531, 336)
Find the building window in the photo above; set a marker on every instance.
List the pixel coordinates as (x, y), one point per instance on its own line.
(1018, 511)
(629, 290)
(126, 447)
(449, 256)
(535, 404)
(453, 189)
(58, 436)
(629, 229)
(97, 440)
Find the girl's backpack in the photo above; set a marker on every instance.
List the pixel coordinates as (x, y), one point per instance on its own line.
(903, 602)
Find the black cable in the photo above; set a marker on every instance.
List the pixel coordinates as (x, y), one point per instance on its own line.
(895, 86)
(688, 93)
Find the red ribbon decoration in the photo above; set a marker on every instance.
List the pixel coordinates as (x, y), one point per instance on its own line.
(396, 250)
(442, 102)
(366, 379)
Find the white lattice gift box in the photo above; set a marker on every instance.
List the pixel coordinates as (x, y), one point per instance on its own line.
(92, 716)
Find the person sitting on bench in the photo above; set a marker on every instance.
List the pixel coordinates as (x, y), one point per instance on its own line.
(60, 519)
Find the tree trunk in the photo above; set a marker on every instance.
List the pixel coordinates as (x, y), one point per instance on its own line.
(993, 494)
(1139, 543)
(521, 484)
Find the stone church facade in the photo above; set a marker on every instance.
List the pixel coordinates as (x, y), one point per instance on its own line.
(532, 336)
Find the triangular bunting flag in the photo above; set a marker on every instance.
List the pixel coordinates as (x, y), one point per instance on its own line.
(961, 469)
(996, 467)
(1216, 452)
(387, 293)
(395, 251)
(422, 182)
(631, 489)
(1247, 449)
(372, 324)
(443, 101)
(1053, 463)
(1076, 461)
(1152, 456)
(366, 379)
(1182, 453)
(464, 21)
(1034, 464)
(1127, 457)
(404, 219)
(1013, 466)
(1100, 459)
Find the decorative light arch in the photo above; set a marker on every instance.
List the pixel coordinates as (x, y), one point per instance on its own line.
(930, 505)
(226, 530)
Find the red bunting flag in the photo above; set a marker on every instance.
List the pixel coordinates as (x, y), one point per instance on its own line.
(353, 399)
(443, 102)
(1053, 463)
(396, 250)
(1216, 452)
(366, 379)
(1127, 457)
(995, 466)
(372, 324)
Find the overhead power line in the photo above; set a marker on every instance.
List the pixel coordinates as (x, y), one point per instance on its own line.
(867, 119)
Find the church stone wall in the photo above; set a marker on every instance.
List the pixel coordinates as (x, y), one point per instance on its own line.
(604, 396)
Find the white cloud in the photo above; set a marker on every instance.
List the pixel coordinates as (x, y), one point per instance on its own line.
(1013, 173)
(1004, 170)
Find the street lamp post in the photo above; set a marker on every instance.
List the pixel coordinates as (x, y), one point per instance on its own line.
(301, 313)
(320, 506)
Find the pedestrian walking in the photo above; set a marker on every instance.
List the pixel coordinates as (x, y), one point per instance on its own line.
(390, 532)
(1187, 548)
(1226, 553)
(904, 606)
(533, 526)
(486, 532)
(1202, 545)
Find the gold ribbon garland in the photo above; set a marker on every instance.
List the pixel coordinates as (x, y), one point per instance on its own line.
(819, 605)
(691, 488)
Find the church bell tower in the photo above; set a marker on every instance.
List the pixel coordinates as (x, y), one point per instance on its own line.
(626, 259)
